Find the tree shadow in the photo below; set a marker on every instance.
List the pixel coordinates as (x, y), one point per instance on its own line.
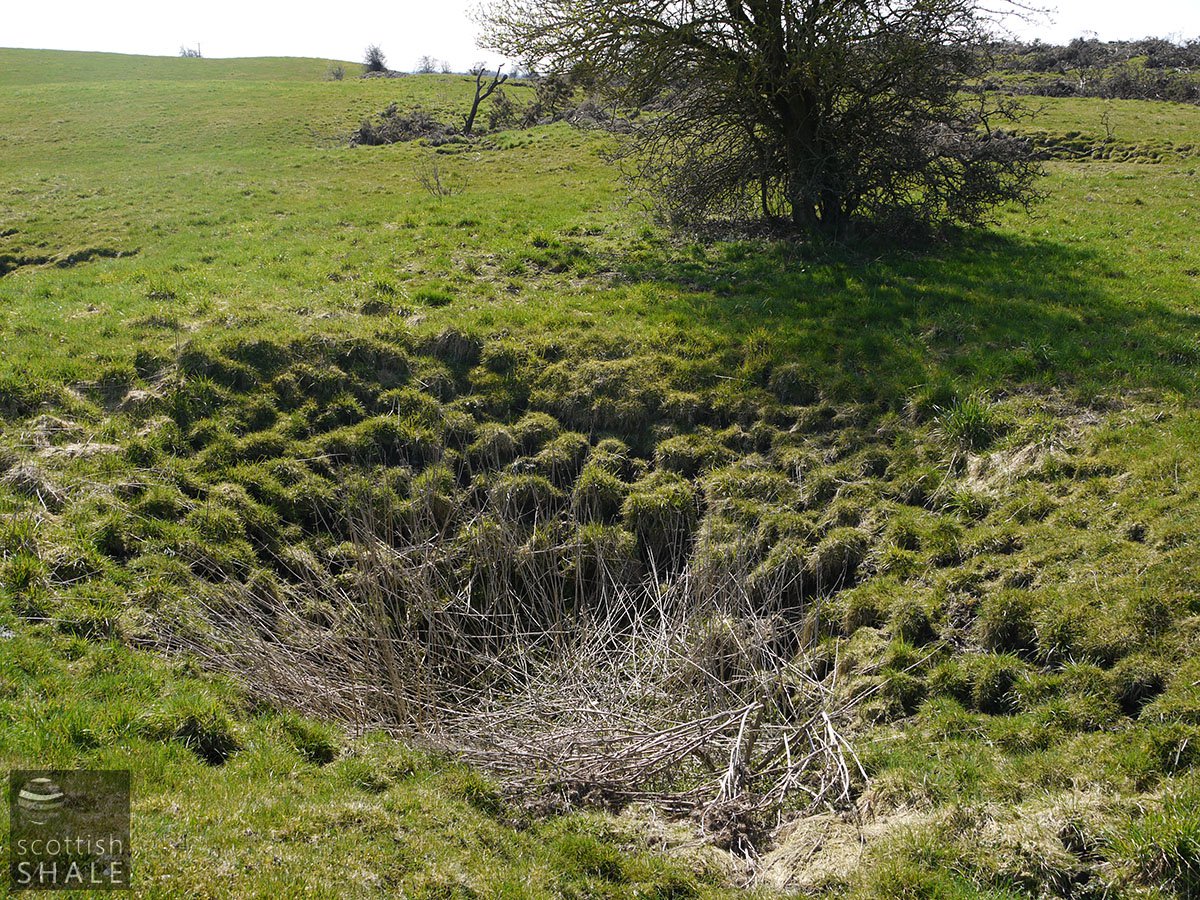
(985, 311)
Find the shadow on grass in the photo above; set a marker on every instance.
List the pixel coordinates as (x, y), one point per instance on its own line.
(986, 311)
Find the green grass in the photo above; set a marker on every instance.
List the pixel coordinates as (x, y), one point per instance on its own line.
(987, 451)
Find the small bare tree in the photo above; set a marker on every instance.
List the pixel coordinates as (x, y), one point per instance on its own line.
(437, 181)
(190, 52)
(444, 67)
(483, 90)
(426, 65)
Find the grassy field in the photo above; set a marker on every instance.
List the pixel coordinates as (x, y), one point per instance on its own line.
(214, 312)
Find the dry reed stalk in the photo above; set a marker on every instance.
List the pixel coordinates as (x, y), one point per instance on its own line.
(684, 691)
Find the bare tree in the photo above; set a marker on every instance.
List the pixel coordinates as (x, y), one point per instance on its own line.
(444, 67)
(483, 90)
(426, 65)
(824, 113)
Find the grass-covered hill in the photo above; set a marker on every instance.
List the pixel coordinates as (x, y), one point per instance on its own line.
(959, 489)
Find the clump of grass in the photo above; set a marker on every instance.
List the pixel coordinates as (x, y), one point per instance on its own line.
(315, 741)
(561, 458)
(909, 620)
(1138, 679)
(202, 726)
(1161, 846)
(691, 454)
(598, 494)
(794, 383)
(834, 562)
(865, 605)
(1006, 623)
(433, 297)
(661, 511)
(970, 423)
(524, 498)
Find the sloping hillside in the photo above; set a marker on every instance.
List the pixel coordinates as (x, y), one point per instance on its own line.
(949, 499)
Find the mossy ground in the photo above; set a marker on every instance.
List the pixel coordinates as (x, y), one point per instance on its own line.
(971, 475)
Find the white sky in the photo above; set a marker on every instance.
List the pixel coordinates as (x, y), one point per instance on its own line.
(406, 29)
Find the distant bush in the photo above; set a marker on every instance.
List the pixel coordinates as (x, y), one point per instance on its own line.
(395, 127)
(190, 52)
(1126, 83)
(503, 112)
(374, 60)
(336, 73)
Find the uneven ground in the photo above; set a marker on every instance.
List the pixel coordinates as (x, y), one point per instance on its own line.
(976, 470)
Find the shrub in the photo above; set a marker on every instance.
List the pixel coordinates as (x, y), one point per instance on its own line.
(396, 127)
(374, 60)
(503, 112)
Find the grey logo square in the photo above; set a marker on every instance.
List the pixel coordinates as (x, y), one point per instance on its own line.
(68, 830)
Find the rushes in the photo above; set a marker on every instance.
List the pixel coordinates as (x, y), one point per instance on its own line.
(617, 688)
